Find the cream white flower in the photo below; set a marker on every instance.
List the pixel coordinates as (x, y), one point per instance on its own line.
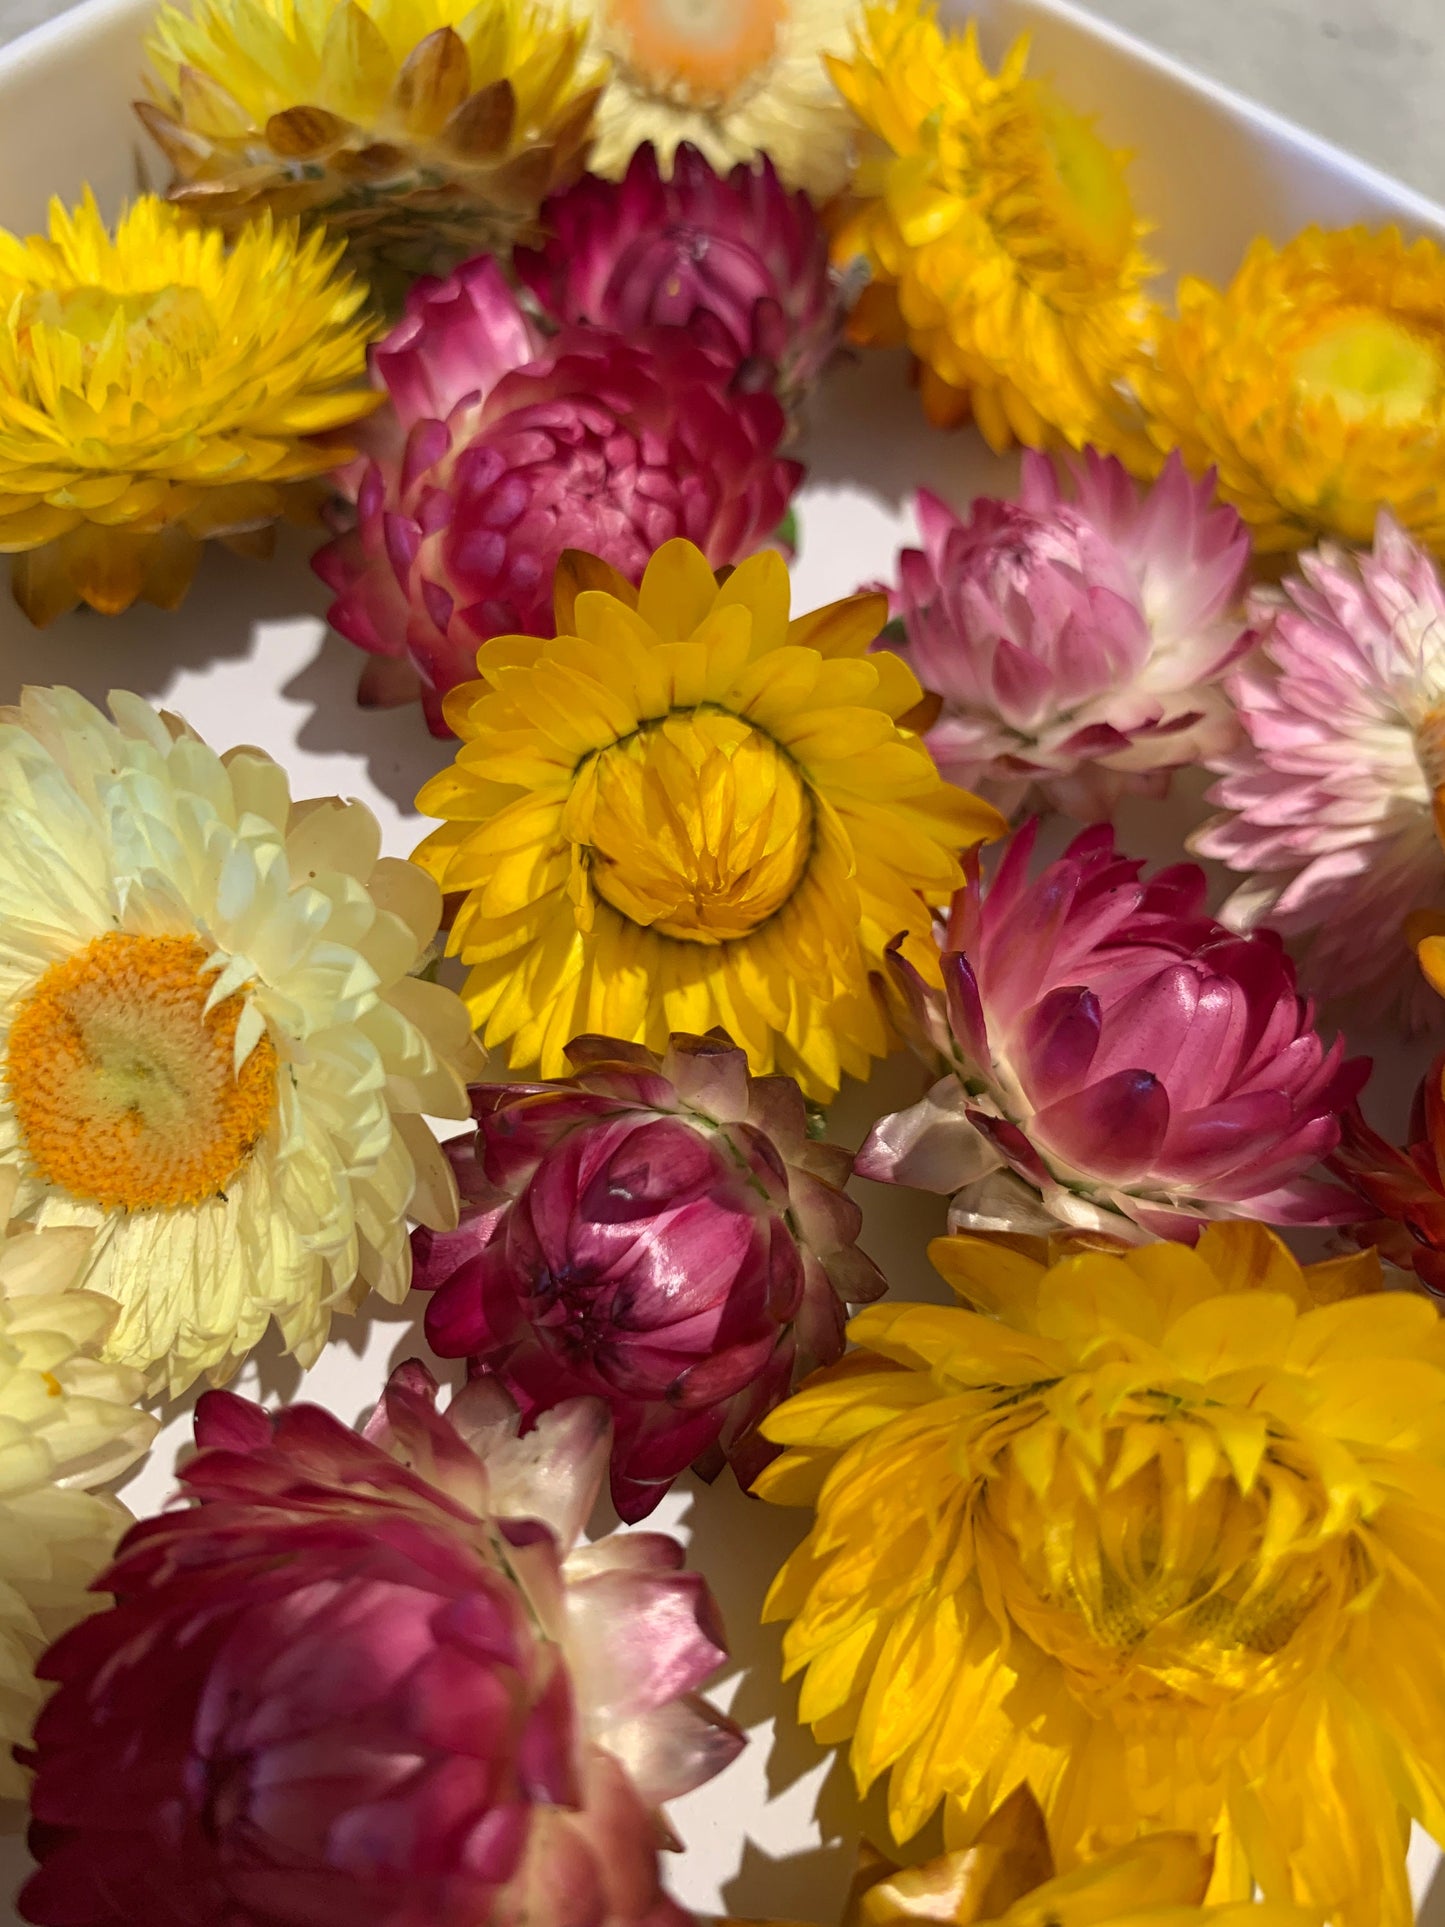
(67, 1423)
(736, 78)
(214, 1057)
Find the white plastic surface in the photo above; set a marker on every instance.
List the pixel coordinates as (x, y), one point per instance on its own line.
(248, 659)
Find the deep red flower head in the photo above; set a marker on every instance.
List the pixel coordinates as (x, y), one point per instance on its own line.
(734, 258)
(376, 1679)
(1117, 1061)
(503, 449)
(660, 1233)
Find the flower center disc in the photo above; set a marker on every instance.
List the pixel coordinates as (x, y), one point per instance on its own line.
(1084, 188)
(704, 50)
(1370, 365)
(124, 1084)
(697, 827)
(158, 319)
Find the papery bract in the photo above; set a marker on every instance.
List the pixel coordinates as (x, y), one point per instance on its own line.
(1329, 796)
(377, 1678)
(1404, 1190)
(659, 1232)
(504, 450)
(1118, 1061)
(734, 258)
(1075, 638)
(1154, 1531)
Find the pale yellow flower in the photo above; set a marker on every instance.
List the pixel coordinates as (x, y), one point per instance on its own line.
(67, 1425)
(214, 1056)
(736, 78)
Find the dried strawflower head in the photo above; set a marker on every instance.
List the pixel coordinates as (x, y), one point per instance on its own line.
(663, 1233)
(1314, 384)
(689, 810)
(1075, 640)
(420, 131)
(1157, 1532)
(214, 1056)
(998, 228)
(378, 1678)
(158, 388)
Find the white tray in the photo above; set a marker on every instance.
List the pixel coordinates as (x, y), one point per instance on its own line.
(248, 659)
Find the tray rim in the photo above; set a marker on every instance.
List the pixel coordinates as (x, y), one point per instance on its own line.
(49, 40)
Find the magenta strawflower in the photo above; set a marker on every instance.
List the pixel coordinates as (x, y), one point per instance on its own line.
(502, 449)
(1331, 793)
(661, 1233)
(1075, 638)
(734, 258)
(1117, 1061)
(377, 1680)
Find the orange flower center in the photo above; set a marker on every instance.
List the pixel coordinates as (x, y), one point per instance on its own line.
(697, 827)
(702, 51)
(125, 1085)
(1368, 363)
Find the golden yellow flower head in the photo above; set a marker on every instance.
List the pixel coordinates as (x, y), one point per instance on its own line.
(158, 388)
(1160, 1533)
(1007, 1879)
(1315, 383)
(736, 78)
(424, 131)
(687, 811)
(999, 231)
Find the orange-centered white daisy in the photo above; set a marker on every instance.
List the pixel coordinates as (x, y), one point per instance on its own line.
(736, 78)
(212, 1053)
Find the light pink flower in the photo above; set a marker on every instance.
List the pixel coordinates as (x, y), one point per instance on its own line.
(660, 1233)
(1118, 1062)
(502, 449)
(377, 1680)
(1330, 793)
(1075, 638)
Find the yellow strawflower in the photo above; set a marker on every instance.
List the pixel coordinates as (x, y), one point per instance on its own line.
(424, 131)
(1007, 1879)
(158, 388)
(688, 810)
(999, 231)
(1315, 383)
(736, 78)
(1160, 1533)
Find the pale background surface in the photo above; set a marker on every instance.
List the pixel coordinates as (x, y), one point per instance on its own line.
(1368, 74)
(248, 659)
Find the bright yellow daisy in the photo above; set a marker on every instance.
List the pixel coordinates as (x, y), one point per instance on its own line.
(999, 231)
(424, 131)
(736, 78)
(1315, 384)
(1160, 1533)
(158, 388)
(688, 810)
(1007, 1879)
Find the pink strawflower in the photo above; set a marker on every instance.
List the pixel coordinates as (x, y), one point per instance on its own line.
(502, 449)
(376, 1680)
(1118, 1062)
(736, 259)
(1332, 788)
(661, 1233)
(1075, 638)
